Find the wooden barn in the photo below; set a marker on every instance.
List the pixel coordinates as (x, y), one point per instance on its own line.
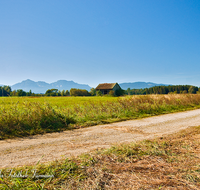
(105, 88)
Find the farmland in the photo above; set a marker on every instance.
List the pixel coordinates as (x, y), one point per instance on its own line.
(29, 115)
(167, 162)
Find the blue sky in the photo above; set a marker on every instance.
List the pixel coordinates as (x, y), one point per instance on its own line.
(97, 41)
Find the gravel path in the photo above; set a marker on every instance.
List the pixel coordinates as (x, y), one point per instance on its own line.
(52, 146)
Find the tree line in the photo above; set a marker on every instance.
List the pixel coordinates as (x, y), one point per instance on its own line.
(6, 91)
(175, 89)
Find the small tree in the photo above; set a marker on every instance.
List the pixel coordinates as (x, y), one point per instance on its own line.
(67, 93)
(29, 93)
(62, 92)
(119, 92)
(5, 90)
(58, 93)
(128, 91)
(20, 92)
(93, 91)
(99, 93)
(192, 90)
(79, 92)
(51, 92)
(111, 93)
(13, 93)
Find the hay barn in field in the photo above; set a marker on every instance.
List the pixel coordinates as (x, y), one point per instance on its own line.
(105, 88)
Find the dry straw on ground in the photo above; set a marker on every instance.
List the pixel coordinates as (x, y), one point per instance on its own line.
(170, 162)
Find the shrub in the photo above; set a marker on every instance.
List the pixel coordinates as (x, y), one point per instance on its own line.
(119, 92)
(79, 92)
(111, 93)
(99, 93)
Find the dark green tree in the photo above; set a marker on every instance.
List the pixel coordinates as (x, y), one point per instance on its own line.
(120, 92)
(93, 91)
(5, 90)
(78, 92)
(67, 93)
(20, 92)
(51, 92)
(62, 92)
(99, 93)
(192, 90)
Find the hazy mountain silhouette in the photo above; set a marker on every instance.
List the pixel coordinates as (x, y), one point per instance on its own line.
(139, 85)
(42, 87)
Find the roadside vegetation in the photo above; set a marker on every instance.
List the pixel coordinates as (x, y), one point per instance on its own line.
(21, 117)
(169, 162)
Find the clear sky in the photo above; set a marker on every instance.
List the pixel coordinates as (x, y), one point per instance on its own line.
(97, 41)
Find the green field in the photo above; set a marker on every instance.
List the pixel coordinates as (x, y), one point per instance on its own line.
(65, 101)
(26, 116)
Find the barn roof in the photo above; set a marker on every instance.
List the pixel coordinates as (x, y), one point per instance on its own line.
(107, 86)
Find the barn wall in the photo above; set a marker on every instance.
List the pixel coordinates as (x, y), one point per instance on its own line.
(103, 91)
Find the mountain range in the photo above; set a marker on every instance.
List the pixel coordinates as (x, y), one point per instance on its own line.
(139, 85)
(42, 87)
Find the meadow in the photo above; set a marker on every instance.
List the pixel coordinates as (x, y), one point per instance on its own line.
(24, 116)
(168, 162)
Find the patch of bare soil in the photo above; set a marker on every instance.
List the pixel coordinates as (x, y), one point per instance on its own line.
(54, 146)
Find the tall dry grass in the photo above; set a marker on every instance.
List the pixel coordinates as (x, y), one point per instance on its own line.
(27, 118)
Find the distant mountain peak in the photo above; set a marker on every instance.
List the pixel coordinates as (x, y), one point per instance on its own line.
(28, 80)
(42, 87)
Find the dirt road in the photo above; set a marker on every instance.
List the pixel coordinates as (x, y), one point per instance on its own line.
(48, 147)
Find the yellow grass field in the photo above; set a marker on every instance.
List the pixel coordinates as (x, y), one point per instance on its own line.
(26, 116)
